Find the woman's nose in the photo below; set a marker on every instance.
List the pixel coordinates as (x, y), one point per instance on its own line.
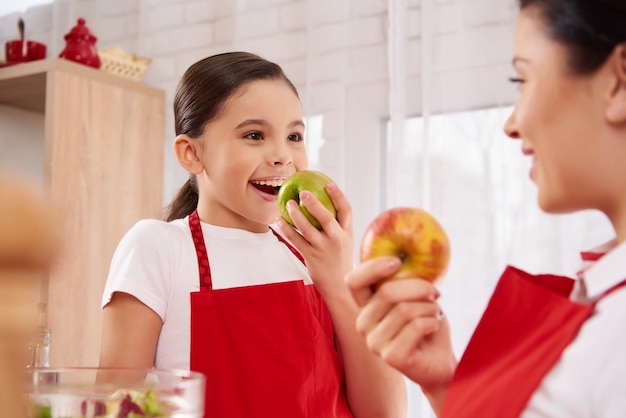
(510, 127)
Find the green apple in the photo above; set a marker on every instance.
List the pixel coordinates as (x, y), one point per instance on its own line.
(414, 236)
(310, 180)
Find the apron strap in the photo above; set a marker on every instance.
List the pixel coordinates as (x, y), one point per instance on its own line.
(206, 282)
(291, 247)
(203, 259)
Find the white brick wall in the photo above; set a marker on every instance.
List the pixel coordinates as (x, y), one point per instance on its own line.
(291, 16)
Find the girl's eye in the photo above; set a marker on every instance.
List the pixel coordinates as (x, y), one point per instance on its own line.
(254, 135)
(295, 137)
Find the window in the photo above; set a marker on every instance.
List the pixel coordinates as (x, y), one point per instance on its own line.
(458, 160)
(314, 139)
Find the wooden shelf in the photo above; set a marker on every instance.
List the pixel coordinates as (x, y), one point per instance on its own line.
(103, 171)
(24, 85)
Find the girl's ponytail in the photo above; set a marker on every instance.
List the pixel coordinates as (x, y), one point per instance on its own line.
(185, 201)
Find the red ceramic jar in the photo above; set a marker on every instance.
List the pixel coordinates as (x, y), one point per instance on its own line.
(81, 46)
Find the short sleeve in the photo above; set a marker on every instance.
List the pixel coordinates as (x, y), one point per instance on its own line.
(141, 266)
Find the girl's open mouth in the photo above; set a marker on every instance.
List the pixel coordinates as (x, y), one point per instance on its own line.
(268, 186)
(267, 189)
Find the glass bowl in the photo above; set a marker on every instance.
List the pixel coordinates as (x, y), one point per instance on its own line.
(84, 392)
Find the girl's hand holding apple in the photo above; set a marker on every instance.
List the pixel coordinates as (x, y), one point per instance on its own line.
(327, 251)
(311, 180)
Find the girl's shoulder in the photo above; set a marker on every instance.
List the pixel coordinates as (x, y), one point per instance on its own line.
(154, 236)
(148, 229)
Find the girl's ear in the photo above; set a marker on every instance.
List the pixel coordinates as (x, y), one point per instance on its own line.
(188, 154)
(616, 109)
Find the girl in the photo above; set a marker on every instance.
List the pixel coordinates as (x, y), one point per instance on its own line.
(546, 346)
(215, 289)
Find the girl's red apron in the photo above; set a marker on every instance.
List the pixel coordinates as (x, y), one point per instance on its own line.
(267, 350)
(528, 323)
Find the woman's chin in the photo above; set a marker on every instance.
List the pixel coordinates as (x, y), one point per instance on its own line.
(554, 206)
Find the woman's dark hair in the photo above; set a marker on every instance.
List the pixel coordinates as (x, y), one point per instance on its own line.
(200, 97)
(590, 29)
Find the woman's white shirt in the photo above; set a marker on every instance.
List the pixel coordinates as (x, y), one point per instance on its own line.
(590, 378)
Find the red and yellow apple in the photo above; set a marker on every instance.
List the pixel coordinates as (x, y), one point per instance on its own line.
(311, 180)
(414, 236)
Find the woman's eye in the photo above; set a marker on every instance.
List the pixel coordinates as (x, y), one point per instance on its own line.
(295, 137)
(516, 80)
(254, 135)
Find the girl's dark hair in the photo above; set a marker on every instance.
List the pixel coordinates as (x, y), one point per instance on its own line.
(590, 29)
(200, 97)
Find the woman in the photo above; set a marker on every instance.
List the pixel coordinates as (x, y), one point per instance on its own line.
(546, 346)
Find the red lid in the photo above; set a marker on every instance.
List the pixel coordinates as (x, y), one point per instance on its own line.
(81, 31)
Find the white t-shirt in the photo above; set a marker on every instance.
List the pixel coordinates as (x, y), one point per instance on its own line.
(156, 262)
(590, 378)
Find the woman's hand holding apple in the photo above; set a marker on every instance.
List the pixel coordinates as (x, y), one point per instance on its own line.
(402, 323)
(404, 253)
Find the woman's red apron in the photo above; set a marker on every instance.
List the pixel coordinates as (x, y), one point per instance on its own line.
(267, 350)
(528, 323)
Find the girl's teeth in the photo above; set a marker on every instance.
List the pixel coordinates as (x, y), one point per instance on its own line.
(273, 183)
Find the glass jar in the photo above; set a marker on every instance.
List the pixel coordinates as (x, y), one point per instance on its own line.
(39, 349)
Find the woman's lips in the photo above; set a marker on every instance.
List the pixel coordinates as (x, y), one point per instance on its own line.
(530, 153)
(527, 151)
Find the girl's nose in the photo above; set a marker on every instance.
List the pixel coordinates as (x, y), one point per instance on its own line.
(510, 127)
(282, 162)
(280, 155)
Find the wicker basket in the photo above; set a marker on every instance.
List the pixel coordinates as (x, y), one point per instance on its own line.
(115, 61)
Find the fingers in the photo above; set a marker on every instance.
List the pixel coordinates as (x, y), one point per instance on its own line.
(402, 299)
(321, 213)
(300, 221)
(289, 232)
(394, 304)
(301, 229)
(362, 277)
(402, 347)
(402, 315)
(398, 316)
(344, 209)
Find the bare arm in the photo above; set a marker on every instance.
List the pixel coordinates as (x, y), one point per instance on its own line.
(130, 332)
(373, 388)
